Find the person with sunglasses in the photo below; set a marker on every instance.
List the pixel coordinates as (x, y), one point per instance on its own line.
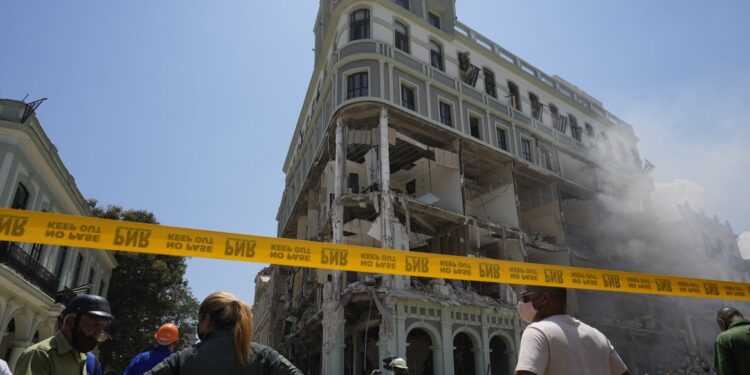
(555, 343)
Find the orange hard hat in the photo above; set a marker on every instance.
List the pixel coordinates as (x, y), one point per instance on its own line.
(167, 334)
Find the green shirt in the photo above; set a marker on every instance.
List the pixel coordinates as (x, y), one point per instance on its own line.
(732, 353)
(53, 356)
(215, 355)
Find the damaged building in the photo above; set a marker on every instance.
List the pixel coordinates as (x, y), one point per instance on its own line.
(418, 133)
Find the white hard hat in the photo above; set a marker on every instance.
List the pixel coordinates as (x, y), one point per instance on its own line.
(398, 363)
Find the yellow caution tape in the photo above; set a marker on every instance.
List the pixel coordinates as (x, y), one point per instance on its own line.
(94, 233)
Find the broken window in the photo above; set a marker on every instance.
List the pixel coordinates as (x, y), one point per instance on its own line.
(403, 3)
(536, 107)
(359, 27)
(474, 126)
(502, 139)
(353, 183)
(434, 20)
(402, 37)
(489, 83)
(573, 122)
(576, 131)
(469, 72)
(526, 150)
(445, 114)
(20, 198)
(411, 188)
(514, 95)
(589, 129)
(436, 55)
(357, 85)
(561, 124)
(407, 97)
(554, 114)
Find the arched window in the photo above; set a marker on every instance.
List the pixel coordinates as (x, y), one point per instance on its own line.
(536, 107)
(402, 36)
(436, 55)
(489, 83)
(359, 27)
(515, 95)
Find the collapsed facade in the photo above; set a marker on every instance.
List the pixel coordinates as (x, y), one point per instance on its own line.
(418, 133)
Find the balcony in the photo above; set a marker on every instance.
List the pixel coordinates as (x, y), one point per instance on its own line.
(20, 261)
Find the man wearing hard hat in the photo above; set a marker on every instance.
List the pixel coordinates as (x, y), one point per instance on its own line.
(165, 339)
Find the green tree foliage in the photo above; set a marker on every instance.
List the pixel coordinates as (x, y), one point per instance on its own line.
(145, 292)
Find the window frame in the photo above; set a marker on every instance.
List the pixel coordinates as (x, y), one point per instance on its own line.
(506, 132)
(473, 114)
(449, 104)
(489, 87)
(439, 54)
(403, 4)
(536, 110)
(405, 39)
(363, 25)
(530, 141)
(515, 96)
(352, 73)
(431, 17)
(21, 187)
(403, 83)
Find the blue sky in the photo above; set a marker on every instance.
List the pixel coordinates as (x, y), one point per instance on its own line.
(186, 108)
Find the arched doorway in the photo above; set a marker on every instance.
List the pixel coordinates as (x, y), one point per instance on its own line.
(463, 355)
(419, 352)
(499, 361)
(6, 343)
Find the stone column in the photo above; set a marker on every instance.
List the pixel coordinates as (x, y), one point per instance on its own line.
(16, 350)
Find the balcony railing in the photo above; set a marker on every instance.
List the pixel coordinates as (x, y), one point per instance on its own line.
(14, 257)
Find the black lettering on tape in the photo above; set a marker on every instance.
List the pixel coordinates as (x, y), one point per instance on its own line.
(663, 285)
(711, 289)
(417, 264)
(553, 276)
(14, 226)
(611, 281)
(489, 270)
(239, 248)
(132, 237)
(334, 257)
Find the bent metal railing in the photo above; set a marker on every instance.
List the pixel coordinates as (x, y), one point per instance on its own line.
(29, 268)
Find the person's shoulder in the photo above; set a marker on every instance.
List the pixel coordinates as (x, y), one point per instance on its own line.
(263, 350)
(42, 346)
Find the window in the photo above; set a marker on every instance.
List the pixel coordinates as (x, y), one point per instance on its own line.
(436, 55)
(589, 129)
(546, 157)
(407, 97)
(573, 124)
(489, 83)
(402, 37)
(445, 113)
(77, 270)
(60, 261)
(102, 288)
(36, 251)
(20, 198)
(403, 3)
(554, 113)
(536, 107)
(514, 95)
(356, 85)
(434, 20)
(576, 131)
(526, 150)
(502, 138)
(474, 126)
(359, 27)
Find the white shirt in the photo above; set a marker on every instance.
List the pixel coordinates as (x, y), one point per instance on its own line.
(563, 345)
(4, 370)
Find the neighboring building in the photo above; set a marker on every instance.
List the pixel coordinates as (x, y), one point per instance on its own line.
(34, 277)
(418, 133)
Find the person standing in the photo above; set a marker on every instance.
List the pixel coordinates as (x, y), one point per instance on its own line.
(165, 340)
(225, 328)
(81, 327)
(732, 348)
(555, 343)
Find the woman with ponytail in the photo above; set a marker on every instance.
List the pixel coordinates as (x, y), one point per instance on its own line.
(225, 328)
